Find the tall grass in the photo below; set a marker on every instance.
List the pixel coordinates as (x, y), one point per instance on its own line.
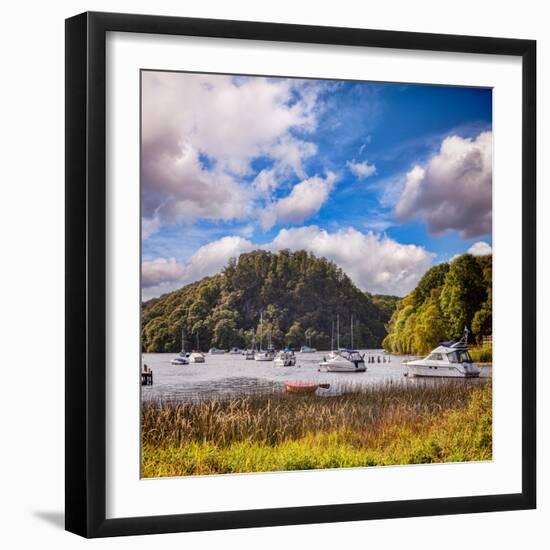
(482, 354)
(391, 424)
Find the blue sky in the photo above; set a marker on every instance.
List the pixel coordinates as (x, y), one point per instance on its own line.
(363, 173)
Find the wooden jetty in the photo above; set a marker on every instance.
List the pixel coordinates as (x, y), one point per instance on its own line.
(146, 376)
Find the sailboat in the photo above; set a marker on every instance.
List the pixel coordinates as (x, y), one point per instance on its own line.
(308, 348)
(343, 360)
(249, 353)
(182, 358)
(196, 356)
(261, 354)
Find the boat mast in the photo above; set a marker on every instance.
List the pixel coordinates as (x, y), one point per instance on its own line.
(182, 341)
(351, 332)
(338, 331)
(332, 336)
(198, 348)
(261, 328)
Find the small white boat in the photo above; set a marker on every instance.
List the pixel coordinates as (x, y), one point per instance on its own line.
(448, 360)
(216, 351)
(343, 360)
(235, 351)
(285, 358)
(182, 358)
(196, 357)
(249, 354)
(307, 349)
(264, 355)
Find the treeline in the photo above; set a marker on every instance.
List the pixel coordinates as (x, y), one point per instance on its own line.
(449, 297)
(299, 294)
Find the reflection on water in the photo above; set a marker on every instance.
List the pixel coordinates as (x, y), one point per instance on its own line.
(232, 376)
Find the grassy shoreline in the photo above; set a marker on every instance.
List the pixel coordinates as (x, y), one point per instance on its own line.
(384, 425)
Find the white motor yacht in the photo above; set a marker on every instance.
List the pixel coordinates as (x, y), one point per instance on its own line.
(285, 358)
(235, 351)
(307, 349)
(216, 351)
(343, 360)
(448, 360)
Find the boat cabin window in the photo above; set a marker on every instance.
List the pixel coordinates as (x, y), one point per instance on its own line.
(464, 356)
(460, 356)
(435, 357)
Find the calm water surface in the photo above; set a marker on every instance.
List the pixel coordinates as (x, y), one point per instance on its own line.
(232, 375)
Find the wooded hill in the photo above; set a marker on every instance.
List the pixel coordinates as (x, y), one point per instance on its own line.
(449, 297)
(299, 294)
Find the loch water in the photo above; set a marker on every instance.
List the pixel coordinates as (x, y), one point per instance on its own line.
(233, 376)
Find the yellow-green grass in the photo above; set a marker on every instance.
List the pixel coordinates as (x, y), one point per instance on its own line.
(446, 423)
(482, 354)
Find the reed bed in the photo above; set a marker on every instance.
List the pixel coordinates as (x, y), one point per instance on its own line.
(388, 424)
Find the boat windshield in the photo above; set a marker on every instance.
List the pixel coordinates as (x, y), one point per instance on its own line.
(460, 356)
(352, 355)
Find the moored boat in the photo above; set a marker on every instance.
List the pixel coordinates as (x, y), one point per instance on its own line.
(307, 349)
(264, 355)
(343, 360)
(448, 360)
(301, 387)
(261, 354)
(285, 358)
(180, 360)
(196, 357)
(216, 351)
(235, 351)
(183, 357)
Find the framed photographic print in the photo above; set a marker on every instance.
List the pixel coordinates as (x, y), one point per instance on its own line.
(300, 274)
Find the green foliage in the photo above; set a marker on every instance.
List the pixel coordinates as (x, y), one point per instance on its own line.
(482, 354)
(385, 303)
(298, 294)
(295, 335)
(462, 293)
(446, 299)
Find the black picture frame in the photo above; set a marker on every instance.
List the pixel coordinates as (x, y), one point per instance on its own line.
(86, 274)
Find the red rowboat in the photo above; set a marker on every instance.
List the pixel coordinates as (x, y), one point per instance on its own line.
(304, 387)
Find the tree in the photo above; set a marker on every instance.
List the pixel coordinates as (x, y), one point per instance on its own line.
(295, 335)
(482, 323)
(432, 279)
(446, 299)
(292, 289)
(463, 292)
(225, 333)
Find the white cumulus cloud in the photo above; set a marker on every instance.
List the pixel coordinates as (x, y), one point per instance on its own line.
(361, 169)
(161, 270)
(200, 134)
(304, 201)
(453, 190)
(481, 248)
